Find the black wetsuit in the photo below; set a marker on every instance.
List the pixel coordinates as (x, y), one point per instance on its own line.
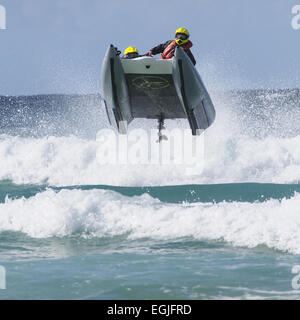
(161, 48)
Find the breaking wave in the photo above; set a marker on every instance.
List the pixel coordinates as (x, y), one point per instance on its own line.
(99, 213)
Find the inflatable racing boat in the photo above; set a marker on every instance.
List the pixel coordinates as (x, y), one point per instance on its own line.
(150, 88)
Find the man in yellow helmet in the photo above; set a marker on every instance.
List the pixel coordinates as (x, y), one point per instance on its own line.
(167, 49)
(131, 53)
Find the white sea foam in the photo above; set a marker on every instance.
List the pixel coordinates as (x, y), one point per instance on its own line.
(233, 153)
(73, 161)
(100, 213)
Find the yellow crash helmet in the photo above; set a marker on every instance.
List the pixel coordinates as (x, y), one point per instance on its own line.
(182, 36)
(131, 52)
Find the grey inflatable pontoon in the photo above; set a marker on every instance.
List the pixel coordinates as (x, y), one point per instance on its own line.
(151, 88)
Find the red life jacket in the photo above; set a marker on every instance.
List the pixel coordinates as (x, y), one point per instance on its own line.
(170, 49)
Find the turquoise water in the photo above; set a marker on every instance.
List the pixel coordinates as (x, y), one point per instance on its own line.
(71, 228)
(105, 259)
(167, 271)
(173, 194)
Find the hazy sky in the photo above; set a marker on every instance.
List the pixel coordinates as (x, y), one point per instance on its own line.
(57, 46)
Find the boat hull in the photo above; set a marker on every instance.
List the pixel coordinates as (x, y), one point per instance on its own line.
(153, 88)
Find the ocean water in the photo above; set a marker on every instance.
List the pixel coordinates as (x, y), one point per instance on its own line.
(73, 228)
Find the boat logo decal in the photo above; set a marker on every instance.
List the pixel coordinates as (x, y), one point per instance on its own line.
(150, 82)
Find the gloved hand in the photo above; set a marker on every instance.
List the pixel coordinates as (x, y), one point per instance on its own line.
(149, 53)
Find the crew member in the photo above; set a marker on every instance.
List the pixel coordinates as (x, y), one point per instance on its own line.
(167, 49)
(131, 53)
